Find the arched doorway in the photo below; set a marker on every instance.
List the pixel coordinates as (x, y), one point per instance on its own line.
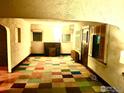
(5, 59)
(3, 47)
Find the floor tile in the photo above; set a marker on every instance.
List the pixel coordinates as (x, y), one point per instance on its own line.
(57, 76)
(97, 88)
(30, 90)
(87, 90)
(57, 80)
(71, 84)
(65, 70)
(40, 74)
(75, 72)
(73, 90)
(69, 79)
(15, 90)
(56, 73)
(21, 81)
(58, 84)
(32, 85)
(44, 90)
(58, 90)
(84, 83)
(18, 85)
(24, 76)
(45, 85)
(67, 76)
(34, 81)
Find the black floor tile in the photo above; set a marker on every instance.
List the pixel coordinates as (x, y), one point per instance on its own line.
(45, 85)
(67, 76)
(73, 90)
(18, 85)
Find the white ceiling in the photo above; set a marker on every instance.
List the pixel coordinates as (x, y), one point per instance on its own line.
(109, 11)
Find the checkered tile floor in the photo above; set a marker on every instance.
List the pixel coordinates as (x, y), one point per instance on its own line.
(49, 75)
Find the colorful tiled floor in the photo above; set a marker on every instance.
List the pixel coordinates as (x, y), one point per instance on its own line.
(49, 75)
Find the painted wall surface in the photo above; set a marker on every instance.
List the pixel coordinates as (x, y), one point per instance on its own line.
(19, 51)
(52, 32)
(109, 11)
(112, 72)
(77, 37)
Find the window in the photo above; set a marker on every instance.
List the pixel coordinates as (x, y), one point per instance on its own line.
(18, 35)
(37, 36)
(66, 37)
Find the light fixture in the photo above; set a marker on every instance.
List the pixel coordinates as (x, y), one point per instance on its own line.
(122, 59)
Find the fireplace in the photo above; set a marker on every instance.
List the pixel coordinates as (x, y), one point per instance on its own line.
(52, 49)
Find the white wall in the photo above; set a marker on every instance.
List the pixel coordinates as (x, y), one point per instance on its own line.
(50, 30)
(112, 72)
(77, 37)
(19, 51)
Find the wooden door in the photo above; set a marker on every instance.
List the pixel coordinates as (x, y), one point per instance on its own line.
(84, 49)
(84, 53)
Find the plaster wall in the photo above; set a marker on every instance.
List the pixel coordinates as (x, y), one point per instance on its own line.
(52, 32)
(112, 72)
(19, 51)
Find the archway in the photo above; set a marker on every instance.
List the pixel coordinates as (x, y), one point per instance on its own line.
(5, 49)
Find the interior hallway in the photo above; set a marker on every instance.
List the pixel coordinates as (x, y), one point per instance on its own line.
(50, 75)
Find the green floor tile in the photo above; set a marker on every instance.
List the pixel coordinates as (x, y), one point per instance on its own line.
(86, 89)
(24, 64)
(97, 88)
(96, 83)
(80, 79)
(34, 80)
(28, 71)
(20, 68)
(84, 84)
(65, 70)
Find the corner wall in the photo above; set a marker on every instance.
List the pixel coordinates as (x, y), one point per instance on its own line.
(112, 72)
(19, 51)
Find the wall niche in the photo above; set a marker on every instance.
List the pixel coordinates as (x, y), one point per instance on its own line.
(98, 42)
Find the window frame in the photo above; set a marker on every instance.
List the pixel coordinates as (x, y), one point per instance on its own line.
(65, 39)
(37, 38)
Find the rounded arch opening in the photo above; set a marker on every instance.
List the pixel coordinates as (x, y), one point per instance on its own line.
(5, 50)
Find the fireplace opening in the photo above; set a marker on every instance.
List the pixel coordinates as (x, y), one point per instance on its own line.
(52, 49)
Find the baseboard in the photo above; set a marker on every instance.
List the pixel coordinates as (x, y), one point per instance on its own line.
(65, 54)
(35, 54)
(102, 81)
(13, 69)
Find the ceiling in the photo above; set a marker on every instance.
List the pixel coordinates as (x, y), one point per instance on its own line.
(109, 11)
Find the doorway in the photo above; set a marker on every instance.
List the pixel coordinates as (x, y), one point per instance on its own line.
(3, 48)
(84, 46)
